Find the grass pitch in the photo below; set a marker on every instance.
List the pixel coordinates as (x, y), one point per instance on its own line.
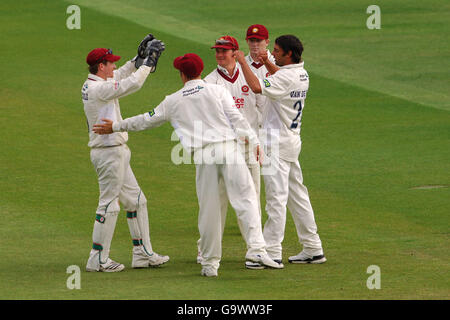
(375, 130)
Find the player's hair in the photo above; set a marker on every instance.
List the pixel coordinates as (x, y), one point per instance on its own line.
(291, 43)
(94, 68)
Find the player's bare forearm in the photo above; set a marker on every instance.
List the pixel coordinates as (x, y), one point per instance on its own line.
(271, 67)
(250, 77)
(103, 128)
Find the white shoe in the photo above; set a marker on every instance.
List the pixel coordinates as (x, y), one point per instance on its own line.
(157, 259)
(258, 266)
(265, 260)
(209, 272)
(304, 258)
(254, 265)
(108, 266)
(141, 259)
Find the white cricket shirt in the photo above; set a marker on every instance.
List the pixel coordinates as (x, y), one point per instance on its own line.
(286, 90)
(201, 114)
(259, 69)
(101, 100)
(245, 100)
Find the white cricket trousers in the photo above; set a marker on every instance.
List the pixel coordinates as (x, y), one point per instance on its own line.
(117, 183)
(255, 174)
(242, 196)
(284, 187)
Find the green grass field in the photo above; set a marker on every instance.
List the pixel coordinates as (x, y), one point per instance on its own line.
(376, 126)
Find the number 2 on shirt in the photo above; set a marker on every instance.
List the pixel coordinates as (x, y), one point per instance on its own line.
(297, 118)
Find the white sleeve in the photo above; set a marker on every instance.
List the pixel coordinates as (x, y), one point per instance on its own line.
(152, 119)
(113, 89)
(124, 71)
(240, 125)
(260, 100)
(275, 86)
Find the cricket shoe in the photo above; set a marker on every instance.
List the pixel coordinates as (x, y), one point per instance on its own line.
(266, 261)
(108, 266)
(209, 272)
(142, 259)
(258, 266)
(304, 258)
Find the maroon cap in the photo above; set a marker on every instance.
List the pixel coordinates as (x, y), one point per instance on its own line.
(257, 31)
(226, 42)
(190, 64)
(100, 54)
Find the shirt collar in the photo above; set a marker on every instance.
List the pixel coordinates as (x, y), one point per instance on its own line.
(94, 77)
(293, 65)
(224, 71)
(193, 82)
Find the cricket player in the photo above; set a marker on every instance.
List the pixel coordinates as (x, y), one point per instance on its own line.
(228, 75)
(111, 156)
(286, 89)
(257, 38)
(207, 122)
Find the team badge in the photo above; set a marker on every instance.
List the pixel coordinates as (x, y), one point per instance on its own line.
(245, 88)
(267, 74)
(266, 83)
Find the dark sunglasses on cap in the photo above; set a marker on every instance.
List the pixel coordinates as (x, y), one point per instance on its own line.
(104, 56)
(223, 41)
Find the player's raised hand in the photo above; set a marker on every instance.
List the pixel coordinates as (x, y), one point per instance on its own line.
(143, 45)
(240, 56)
(153, 51)
(262, 56)
(103, 128)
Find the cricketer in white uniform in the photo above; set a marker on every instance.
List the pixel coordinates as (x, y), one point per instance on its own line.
(228, 75)
(257, 40)
(206, 121)
(286, 89)
(111, 159)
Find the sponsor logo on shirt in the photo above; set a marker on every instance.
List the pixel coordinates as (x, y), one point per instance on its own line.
(84, 94)
(303, 77)
(266, 83)
(188, 92)
(116, 85)
(151, 113)
(239, 102)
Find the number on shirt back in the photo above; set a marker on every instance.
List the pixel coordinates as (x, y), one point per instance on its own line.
(296, 120)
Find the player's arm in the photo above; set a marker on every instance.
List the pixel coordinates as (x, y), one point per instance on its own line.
(270, 66)
(108, 90)
(250, 77)
(240, 124)
(124, 71)
(148, 120)
(237, 120)
(129, 67)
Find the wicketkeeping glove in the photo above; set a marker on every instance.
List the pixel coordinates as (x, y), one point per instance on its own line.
(143, 45)
(153, 51)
